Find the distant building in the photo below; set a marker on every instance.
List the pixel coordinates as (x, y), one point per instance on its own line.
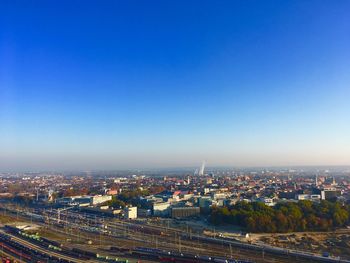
(205, 202)
(144, 212)
(169, 196)
(206, 190)
(130, 212)
(112, 192)
(267, 201)
(84, 200)
(311, 197)
(99, 199)
(161, 209)
(330, 193)
(201, 170)
(186, 196)
(180, 212)
(217, 196)
(103, 210)
(75, 200)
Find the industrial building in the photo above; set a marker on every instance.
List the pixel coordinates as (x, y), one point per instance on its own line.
(130, 212)
(85, 200)
(161, 209)
(180, 212)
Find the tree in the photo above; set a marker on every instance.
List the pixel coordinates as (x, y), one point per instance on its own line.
(116, 203)
(281, 222)
(286, 217)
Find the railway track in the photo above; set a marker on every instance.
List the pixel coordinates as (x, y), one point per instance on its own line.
(44, 251)
(132, 235)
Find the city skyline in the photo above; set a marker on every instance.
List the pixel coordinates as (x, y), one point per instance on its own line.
(158, 84)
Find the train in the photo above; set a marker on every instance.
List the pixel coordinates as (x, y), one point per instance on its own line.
(14, 251)
(147, 230)
(170, 256)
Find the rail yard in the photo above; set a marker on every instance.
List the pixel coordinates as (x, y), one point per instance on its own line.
(95, 238)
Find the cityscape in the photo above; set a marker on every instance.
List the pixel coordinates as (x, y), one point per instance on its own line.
(183, 216)
(175, 131)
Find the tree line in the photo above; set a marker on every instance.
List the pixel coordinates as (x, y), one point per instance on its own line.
(283, 217)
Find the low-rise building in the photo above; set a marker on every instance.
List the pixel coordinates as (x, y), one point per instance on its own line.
(161, 209)
(205, 202)
(311, 197)
(84, 200)
(329, 193)
(179, 212)
(99, 199)
(130, 212)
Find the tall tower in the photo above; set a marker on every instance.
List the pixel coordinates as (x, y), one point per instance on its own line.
(201, 170)
(316, 180)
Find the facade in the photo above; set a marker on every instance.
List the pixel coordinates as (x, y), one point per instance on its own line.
(130, 212)
(84, 200)
(216, 196)
(161, 209)
(328, 194)
(75, 200)
(205, 202)
(186, 196)
(201, 170)
(144, 212)
(99, 199)
(267, 201)
(180, 212)
(308, 197)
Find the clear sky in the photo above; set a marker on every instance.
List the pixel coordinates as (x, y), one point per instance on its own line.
(118, 84)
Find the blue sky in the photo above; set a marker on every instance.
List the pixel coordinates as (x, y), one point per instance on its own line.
(118, 84)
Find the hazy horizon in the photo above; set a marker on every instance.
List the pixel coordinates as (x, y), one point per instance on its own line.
(61, 167)
(87, 86)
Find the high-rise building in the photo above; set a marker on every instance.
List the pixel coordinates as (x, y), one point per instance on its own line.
(201, 170)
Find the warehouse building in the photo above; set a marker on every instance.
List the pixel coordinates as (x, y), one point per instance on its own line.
(180, 212)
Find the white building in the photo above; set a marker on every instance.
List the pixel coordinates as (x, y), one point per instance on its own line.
(267, 201)
(130, 212)
(217, 196)
(308, 197)
(99, 199)
(84, 200)
(161, 209)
